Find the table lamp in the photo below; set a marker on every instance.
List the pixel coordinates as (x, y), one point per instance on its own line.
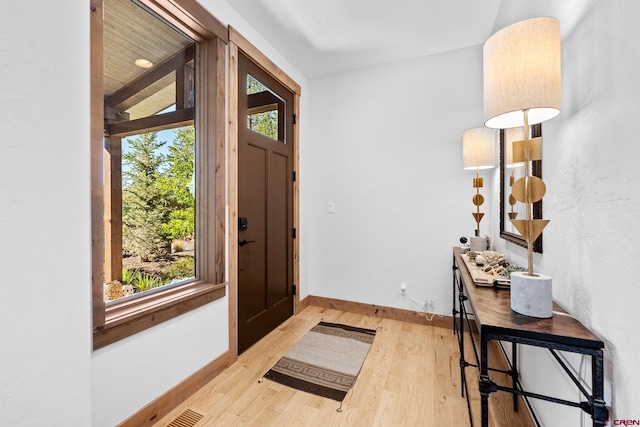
(478, 152)
(522, 87)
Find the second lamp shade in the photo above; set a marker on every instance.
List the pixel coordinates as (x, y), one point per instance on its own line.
(479, 148)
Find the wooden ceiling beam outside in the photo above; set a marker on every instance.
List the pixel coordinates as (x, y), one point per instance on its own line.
(175, 62)
(178, 118)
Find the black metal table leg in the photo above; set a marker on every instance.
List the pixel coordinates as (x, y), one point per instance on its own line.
(514, 373)
(485, 382)
(453, 309)
(461, 343)
(600, 413)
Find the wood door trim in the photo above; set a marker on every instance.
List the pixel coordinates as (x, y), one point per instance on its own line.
(253, 53)
(190, 17)
(233, 201)
(296, 205)
(97, 144)
(237, 43)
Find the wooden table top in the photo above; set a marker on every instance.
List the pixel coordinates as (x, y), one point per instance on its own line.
(492, 310)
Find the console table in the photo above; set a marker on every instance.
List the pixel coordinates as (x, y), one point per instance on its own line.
(490, 309)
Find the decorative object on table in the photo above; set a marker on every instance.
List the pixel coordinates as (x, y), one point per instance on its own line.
(493, 269)
(478, 152)
(326, 361)
(522, 87)
(465, 246)
(480, 278)
(501, 269)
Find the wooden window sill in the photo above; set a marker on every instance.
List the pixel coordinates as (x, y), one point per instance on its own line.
(131, 316)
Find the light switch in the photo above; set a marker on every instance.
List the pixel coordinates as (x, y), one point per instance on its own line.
(331, 207)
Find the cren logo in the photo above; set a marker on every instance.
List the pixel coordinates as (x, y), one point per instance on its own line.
(624, 423)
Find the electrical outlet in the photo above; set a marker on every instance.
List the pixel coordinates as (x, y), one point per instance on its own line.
(403, 288)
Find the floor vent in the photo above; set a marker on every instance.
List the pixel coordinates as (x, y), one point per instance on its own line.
(188, 418)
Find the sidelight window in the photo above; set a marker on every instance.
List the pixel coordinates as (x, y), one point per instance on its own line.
(156, 208)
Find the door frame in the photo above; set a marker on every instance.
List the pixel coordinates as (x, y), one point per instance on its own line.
(238, 43)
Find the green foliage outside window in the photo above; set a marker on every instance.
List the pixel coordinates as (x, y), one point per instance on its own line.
(158, 201)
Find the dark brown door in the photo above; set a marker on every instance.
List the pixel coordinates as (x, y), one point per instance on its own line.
(265, 204)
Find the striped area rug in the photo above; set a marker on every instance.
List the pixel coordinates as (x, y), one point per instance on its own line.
(326, 361)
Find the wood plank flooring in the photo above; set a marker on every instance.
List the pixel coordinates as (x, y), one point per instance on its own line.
(411, 377)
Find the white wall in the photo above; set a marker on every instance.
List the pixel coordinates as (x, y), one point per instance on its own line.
(385, 147)
(133, 371)
(593, 197)
(45, 335)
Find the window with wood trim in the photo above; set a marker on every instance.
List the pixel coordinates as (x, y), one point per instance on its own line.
(157, 163)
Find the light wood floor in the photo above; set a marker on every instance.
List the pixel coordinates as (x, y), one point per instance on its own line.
(411, 377)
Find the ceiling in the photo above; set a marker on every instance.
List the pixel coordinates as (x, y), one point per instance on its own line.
(127, 30)
(328, 37)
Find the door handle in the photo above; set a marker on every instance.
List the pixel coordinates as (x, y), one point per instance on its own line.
(242, 242)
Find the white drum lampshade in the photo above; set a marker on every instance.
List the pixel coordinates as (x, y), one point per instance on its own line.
(522, 72)
(479, 148)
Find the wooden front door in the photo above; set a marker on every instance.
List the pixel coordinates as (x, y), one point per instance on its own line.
(265, 203)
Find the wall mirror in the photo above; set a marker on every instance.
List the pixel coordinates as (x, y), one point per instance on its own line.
(509, 173)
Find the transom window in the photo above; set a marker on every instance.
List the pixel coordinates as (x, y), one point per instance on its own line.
(265, 110)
